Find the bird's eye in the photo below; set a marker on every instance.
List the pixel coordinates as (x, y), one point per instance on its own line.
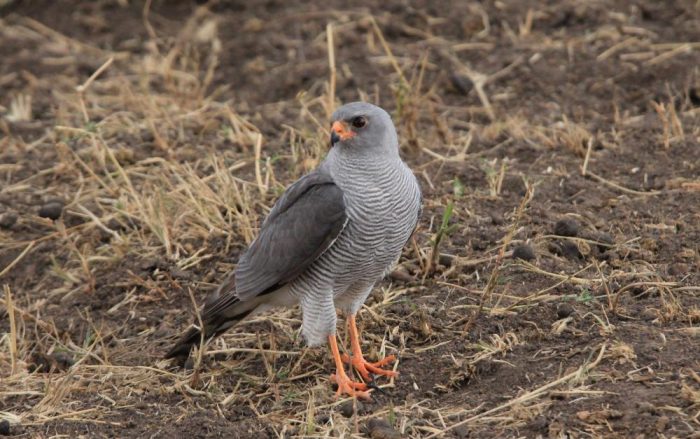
(359, 122)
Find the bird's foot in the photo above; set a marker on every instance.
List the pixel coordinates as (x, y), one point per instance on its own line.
(349, 387)
(365, 368)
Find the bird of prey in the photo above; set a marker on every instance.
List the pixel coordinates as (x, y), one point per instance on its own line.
(327, 240)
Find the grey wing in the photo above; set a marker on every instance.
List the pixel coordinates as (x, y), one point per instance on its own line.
(301, 226)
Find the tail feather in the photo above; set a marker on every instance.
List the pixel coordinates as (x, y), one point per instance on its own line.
(181, 350)
(217, 317)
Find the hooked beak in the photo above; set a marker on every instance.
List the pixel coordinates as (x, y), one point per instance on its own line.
(340, 131)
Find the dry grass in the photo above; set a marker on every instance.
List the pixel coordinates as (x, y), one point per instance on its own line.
(158, 170)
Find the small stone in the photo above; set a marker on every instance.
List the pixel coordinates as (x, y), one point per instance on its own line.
(462, 432)
(151, 264)
(322, 419)
(564, 310)
(605, 238)
(4, 427)
(570, 250)
(51, 209)
(461, 83)
(540, 424)
(445, 260)
(662, 423)
(514, 184)
(350, 407)
(183, 275)
(381, 429)
(524, 252)
(566, 227)
(115, 225)
(54, 363)
(649, 314)
(401, 275)
(615, 414)
(39, 363)
(479, 245)
(123, 224)
(678, 269)
(566, 249)
(7, 220)
(497, 219)
(647, 407)
(63, 360)
(188, 364)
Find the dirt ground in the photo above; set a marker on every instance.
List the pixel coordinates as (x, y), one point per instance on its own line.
(552, 288)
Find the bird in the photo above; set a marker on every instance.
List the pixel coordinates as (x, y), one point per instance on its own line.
(329, 238)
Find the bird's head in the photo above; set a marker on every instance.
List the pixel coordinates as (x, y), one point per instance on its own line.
(365, 128)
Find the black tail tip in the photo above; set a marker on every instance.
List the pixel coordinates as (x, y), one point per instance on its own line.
(181, 351)
(179, 354)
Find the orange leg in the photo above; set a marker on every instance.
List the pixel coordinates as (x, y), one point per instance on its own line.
(345, 384)
(358, 360)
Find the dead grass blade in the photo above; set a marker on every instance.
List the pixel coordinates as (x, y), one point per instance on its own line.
(577, 374)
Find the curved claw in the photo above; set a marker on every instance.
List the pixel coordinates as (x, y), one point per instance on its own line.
(345, 384)
(365, 368)
(349, 387)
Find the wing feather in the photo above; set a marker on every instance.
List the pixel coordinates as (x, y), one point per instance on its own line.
(302, 225)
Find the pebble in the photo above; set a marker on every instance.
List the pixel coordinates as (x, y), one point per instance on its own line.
(350, 407)
(524, 252)
(662, 423)
(564, 310)
(497, 219)
(54, 363)
(647, 407)
(51, 209)
(540, 424)
(678, 269)
(151, 264)
(63, 360)
(322, 419)
(4, 427)
(124, 224)
(462, 432)
(570, 250)
(445, 260)
(566, 227)
(562, 248)
(183, 275)
(605, 238)
(461, 83)
(188, 364)
(7, 220)
(401, 275)
(381, 429)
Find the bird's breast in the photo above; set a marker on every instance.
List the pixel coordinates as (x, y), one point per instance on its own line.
(382, 213)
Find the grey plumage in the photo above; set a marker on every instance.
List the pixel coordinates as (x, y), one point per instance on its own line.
(331, 236)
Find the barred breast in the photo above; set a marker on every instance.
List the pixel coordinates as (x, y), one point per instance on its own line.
(382, 202)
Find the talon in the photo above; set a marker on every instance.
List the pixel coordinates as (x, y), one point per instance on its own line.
(365, 368)
(347, 381)
(373, 386)
(340, 378)
(358, 361)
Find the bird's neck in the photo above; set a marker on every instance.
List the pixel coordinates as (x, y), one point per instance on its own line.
(351, 162)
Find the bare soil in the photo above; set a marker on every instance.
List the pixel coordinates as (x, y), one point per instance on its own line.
(552, 288)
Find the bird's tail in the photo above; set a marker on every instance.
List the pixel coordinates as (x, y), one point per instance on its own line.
(217, 317)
